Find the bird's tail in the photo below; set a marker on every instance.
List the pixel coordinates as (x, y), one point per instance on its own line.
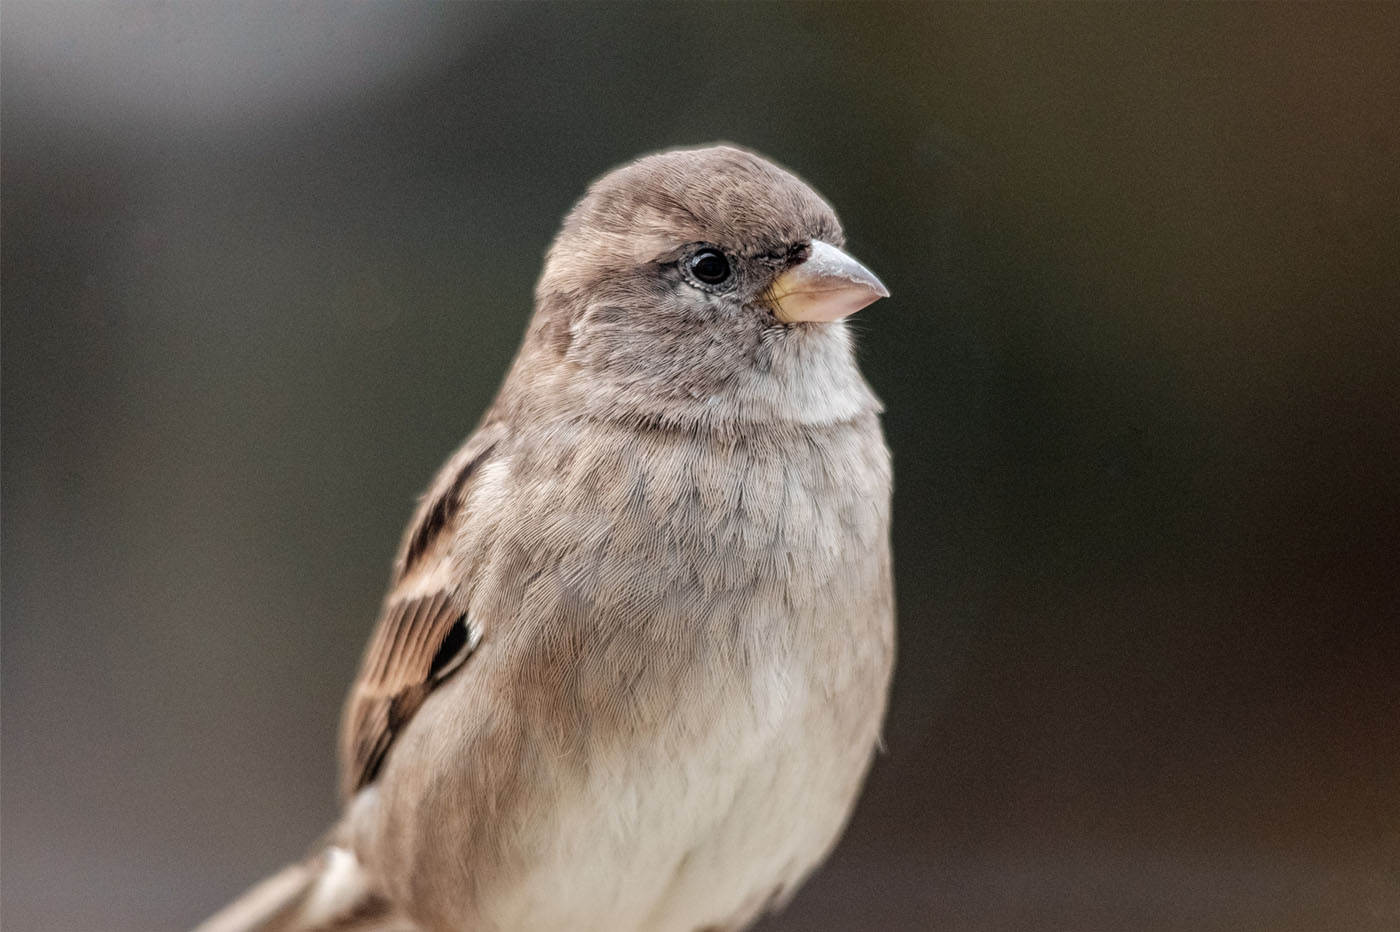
(326, 893)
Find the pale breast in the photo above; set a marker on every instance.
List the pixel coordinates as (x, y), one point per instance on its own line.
(704, 627)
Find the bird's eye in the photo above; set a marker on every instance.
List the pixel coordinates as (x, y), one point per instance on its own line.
(709, 267)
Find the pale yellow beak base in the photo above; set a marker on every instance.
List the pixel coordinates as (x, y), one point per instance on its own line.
(828, 286)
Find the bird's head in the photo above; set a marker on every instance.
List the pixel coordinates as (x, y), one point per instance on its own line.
(706, 276)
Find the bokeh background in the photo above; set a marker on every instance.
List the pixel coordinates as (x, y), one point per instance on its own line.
(264, 265)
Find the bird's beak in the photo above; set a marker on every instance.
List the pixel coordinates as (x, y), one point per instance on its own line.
(827, 285)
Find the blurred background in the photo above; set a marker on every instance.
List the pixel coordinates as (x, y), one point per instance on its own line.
(265, 264)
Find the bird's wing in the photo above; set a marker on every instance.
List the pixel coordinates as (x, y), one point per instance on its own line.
(423, 633)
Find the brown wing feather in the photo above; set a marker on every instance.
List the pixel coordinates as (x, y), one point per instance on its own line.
(422, 634)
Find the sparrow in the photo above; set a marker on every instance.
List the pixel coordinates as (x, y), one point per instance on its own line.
(633, 662)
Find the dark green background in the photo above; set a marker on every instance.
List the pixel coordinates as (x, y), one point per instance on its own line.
(263, 267)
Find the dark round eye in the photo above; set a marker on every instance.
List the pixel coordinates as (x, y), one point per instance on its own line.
(709, 266)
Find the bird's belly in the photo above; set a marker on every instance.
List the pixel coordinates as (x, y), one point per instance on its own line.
(704, 832)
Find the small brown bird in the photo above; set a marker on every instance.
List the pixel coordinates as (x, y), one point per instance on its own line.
(633, 662)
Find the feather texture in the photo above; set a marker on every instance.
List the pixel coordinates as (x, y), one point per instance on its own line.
(633, 662)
